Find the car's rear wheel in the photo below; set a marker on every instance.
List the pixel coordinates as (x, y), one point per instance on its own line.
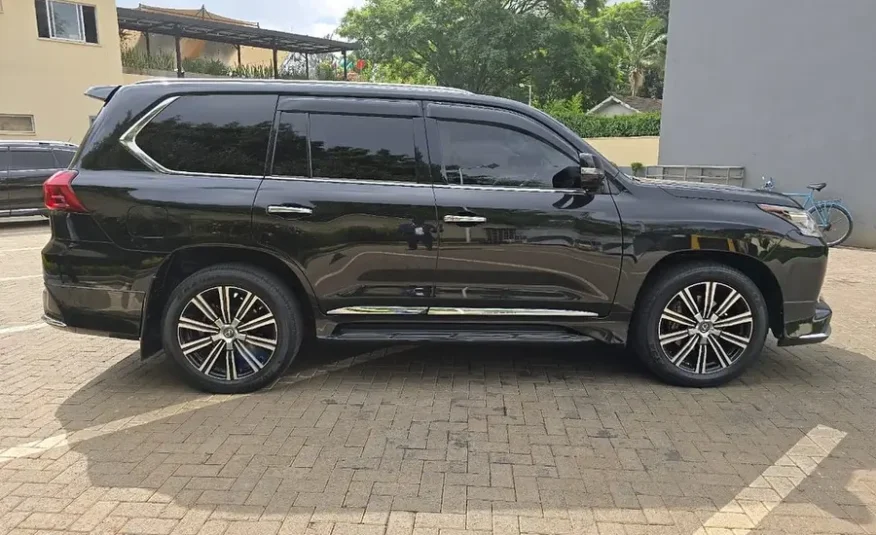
(700, 325)
(232, 328)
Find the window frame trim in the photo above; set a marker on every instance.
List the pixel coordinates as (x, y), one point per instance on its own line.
(80, 22)
(128, 140)
(30, 132)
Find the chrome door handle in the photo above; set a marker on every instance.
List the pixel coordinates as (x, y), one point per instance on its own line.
(464, 219)
(281, 209)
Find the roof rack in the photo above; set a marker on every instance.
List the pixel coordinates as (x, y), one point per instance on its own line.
(341, 83)
(35, 142)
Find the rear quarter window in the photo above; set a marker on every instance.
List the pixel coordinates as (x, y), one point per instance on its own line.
(212, 134)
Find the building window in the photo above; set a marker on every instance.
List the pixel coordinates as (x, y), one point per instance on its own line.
(66, 20)
(17, 123)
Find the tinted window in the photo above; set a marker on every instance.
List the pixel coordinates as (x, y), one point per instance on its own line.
(4, 159)
(487, 155)
(64, 157)
(360, 147)
(31, 159)
(290, 154)
(215, 134)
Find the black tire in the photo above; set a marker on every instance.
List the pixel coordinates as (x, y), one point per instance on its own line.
(275, 296)
(644, 331)
(831, 240)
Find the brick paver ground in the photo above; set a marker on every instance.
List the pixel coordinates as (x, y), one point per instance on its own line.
(437, 440)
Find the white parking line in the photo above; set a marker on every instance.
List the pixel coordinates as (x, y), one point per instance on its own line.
(68, 439)
(21, 249)
(22, 277)
(20, 328)
(765, 493)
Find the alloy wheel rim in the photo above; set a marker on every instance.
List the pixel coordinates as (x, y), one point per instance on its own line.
(705, 327)
(227, 333)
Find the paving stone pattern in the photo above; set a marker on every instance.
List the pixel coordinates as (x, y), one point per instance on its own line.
(434, 440)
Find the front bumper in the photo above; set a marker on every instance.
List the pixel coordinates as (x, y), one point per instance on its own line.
(812, 331)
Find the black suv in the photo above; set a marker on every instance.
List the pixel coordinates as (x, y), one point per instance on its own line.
(24, 166)
(229, 221)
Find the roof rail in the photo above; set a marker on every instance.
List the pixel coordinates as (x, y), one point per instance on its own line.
(306, 82)
(35, 142)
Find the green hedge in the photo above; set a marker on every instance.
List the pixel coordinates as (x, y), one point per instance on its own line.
(587, 126)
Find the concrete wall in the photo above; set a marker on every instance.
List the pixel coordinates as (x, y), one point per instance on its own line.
(46, 78)
(623, 151)
(782, 87)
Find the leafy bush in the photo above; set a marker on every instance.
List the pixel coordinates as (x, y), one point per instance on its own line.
(261, 72)
(205, 66)
(571, 113)
(137, 59)
(640, 124)
(160, 61)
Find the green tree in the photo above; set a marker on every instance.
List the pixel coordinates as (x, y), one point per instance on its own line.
(486, 46)
(643, 49)
(660, 9)
(630, 15)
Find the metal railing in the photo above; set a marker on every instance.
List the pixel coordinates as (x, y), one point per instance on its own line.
(712, 174)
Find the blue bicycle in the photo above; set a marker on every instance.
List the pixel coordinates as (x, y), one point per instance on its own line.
(831, 216)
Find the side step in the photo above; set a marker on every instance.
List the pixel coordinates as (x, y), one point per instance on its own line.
(453, 333)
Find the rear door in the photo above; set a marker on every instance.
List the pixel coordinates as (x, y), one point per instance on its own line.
(28, 168)
(518, 239)
(349, 200)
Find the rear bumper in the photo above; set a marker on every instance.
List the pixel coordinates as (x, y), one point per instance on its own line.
(811, 331)
(94, 311)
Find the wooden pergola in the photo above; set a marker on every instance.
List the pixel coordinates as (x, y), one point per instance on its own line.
(179, 27)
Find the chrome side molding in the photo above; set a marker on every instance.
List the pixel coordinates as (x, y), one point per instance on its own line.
(460, 311)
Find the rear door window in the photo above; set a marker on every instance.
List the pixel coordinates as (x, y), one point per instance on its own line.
(211, 134)
(363, 147)
(349, 139)
(26, 160)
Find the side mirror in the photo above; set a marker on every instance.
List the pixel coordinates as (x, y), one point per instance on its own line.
(591, 175)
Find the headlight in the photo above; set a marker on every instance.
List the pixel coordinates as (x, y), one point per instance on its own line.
(797, 217)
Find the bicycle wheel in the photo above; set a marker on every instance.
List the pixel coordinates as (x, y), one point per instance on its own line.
(834, 220)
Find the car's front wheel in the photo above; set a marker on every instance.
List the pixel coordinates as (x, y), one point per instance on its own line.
(700, 325)
(232, 328)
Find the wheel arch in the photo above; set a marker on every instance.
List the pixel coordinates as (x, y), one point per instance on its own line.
(754, 269)
(185, 261)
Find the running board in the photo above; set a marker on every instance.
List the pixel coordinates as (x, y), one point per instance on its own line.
(456, 333)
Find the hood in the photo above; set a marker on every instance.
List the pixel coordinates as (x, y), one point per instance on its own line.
(720, 192)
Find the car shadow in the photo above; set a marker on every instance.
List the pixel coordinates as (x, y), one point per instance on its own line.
(374, 428)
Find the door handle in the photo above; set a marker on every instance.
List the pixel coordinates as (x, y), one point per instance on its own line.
(282, 209)
(464, 219)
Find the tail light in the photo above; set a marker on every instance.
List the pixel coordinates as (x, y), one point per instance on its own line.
(58, 192)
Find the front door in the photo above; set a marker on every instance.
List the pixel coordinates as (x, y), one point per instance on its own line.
(349, 200)
(517, 239)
